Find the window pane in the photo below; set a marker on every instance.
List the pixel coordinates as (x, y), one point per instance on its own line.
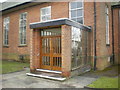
(43, 18)
(80, 20)
(79, 4)
(24, 16)
(48, 10)
(23, 28)
(43, 11)
(48, 17)
(107, 10)
(21, 38)
(76, 47)
(6, 30)
(79, 12)
(46, 14)
(73, 5)
(73, 13)
(74, 19)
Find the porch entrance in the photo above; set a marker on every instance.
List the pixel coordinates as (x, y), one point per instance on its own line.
(51, 50)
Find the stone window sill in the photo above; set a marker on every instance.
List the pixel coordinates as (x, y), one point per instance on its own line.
(107, 44)
(22, 45)
(6, 46)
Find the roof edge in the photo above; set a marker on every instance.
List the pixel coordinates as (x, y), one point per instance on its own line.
(116, 6)
(60, 21)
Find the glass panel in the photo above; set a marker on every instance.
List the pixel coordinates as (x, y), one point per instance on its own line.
(43, 18)
(74, 19)
(23, 28)
(73, 5)
(46, 13)
(6, 29)
(79, 12)
(43, 11)
(80, 20)
(80, 47)
(48, 10)
(76, 47)
(79, 4)
(73, 13)
(49, 32)
(57, 61)
(46, 60)
(48, 17)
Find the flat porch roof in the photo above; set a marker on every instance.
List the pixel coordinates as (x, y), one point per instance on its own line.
(59, 22)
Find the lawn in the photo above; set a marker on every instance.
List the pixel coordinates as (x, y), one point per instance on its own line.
(12, 66)
(105, 82)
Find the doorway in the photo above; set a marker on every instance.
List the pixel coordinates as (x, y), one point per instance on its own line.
(50, 52)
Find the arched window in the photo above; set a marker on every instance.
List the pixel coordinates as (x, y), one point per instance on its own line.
(6, 30)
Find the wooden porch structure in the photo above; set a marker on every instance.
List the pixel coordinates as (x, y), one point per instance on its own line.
(51, 46)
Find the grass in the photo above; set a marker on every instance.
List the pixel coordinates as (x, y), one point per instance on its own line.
(12, 66)
(111, 71)
(105, 82)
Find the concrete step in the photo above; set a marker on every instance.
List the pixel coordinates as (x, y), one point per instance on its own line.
(47, 76)
(49, 71)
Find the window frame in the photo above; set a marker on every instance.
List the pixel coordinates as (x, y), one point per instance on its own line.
(82, 8)
(107, 18)
(45, 14)
(4, 32)
(22, 27)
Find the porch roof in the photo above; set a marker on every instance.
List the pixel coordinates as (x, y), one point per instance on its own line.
(58, 22)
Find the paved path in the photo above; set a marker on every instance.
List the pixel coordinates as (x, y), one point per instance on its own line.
(21, 80)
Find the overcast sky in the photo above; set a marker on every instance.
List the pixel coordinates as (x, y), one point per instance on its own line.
(2, 0)
(68, 0)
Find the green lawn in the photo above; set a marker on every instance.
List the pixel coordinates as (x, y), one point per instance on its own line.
(105, 82)
(12, 66)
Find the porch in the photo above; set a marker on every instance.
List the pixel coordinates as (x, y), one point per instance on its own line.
(59, 46)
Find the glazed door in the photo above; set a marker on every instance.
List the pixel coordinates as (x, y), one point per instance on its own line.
(51, 53)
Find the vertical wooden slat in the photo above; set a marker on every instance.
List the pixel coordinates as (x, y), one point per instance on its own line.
(56, 45)
(58, 62)
(59, 45)
(52, 48)
(47, 45)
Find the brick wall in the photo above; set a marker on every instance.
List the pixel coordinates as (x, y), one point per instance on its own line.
(35, 50)
(33, 15)
(61, 10)
(103, 51)
(66, 50)
(116, 24)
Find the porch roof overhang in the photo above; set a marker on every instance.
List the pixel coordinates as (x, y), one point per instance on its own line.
(58, 22)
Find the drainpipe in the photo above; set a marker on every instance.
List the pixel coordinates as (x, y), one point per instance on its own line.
(113, 37)
(95, 59)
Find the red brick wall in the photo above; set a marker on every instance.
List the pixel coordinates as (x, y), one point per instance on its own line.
(66, 50)
(103, 51)
(61, 10)
(35, 49)
(33, 15)
(116, 24)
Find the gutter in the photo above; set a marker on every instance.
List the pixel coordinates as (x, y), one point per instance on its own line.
(19, 6)
(95, 59)
(112, 37)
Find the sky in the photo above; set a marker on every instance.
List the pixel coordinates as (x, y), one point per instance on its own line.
(78, 0)
(2, 0)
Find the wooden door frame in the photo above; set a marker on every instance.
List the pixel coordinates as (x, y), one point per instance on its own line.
(51, 52)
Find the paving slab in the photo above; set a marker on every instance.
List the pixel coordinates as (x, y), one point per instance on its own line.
(21, 80)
